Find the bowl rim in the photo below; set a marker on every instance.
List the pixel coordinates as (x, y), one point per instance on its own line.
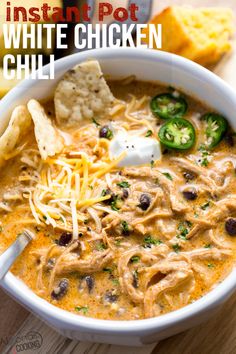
(65, 318)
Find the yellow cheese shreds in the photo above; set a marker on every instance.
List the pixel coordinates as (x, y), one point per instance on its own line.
(85, 178)
(65, 191)
(108, 168)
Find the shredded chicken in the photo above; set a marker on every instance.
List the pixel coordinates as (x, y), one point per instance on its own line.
(198, 170)
(168, 186)
(93, 264)
(219, 211)
(204, 253)
(174, 274)
(127, 276)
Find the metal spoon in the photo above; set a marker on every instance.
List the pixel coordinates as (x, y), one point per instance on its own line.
(8, 257)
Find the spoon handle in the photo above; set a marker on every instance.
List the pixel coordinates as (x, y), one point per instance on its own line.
(8, 257)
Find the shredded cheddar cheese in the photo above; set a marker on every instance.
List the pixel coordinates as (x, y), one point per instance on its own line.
(67, 189)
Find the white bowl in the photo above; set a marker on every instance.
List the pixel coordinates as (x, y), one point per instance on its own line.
(151, 66)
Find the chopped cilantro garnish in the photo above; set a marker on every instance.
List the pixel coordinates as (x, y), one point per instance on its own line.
(182, 237)
(210, 265)
(207, 245)
(101, 246)
(104, 193)
(204, 162)
(205, 206)
(116, 282)
(125, 228)
(109, 134)
(184, 228)
(84, 309)
(205, 153)
(116, 203)
(149, 241)
(149, 133)
(96, 122)
(176, 247)
(168, 175)
(152, 163)
(123, 184)
(135, 259)
(203, 149)
(108, 270)
(114, 206)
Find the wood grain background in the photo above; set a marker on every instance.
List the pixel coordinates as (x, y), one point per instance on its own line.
(217, 336)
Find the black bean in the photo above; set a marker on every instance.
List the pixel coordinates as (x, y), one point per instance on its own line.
(110, 297)
(89, 282)
(112, 196)
(230, 226)
(125, 228)
(125, 193)
(145, 202)
(190, 194)
(189, 176)
(65, 239)
(105, 132)
(60, 290)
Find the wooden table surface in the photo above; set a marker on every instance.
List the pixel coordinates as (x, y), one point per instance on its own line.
(217, 336)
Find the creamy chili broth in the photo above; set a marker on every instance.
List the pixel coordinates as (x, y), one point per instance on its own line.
(151, 238)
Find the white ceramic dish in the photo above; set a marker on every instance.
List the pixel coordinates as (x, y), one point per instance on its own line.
(146, 65)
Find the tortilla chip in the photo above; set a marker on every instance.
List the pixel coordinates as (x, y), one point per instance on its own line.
(48, 139)
(19, 123)
(82, 93)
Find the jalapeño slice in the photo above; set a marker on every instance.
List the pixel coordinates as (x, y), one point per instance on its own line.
(177, 133)
(216, 126)
(167, 106)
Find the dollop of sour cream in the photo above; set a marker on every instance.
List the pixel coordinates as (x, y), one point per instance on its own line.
(139, 151)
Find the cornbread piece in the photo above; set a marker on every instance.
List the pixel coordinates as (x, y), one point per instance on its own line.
(18, 126)
(48, 140)
(82, 93)
(200, 34)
